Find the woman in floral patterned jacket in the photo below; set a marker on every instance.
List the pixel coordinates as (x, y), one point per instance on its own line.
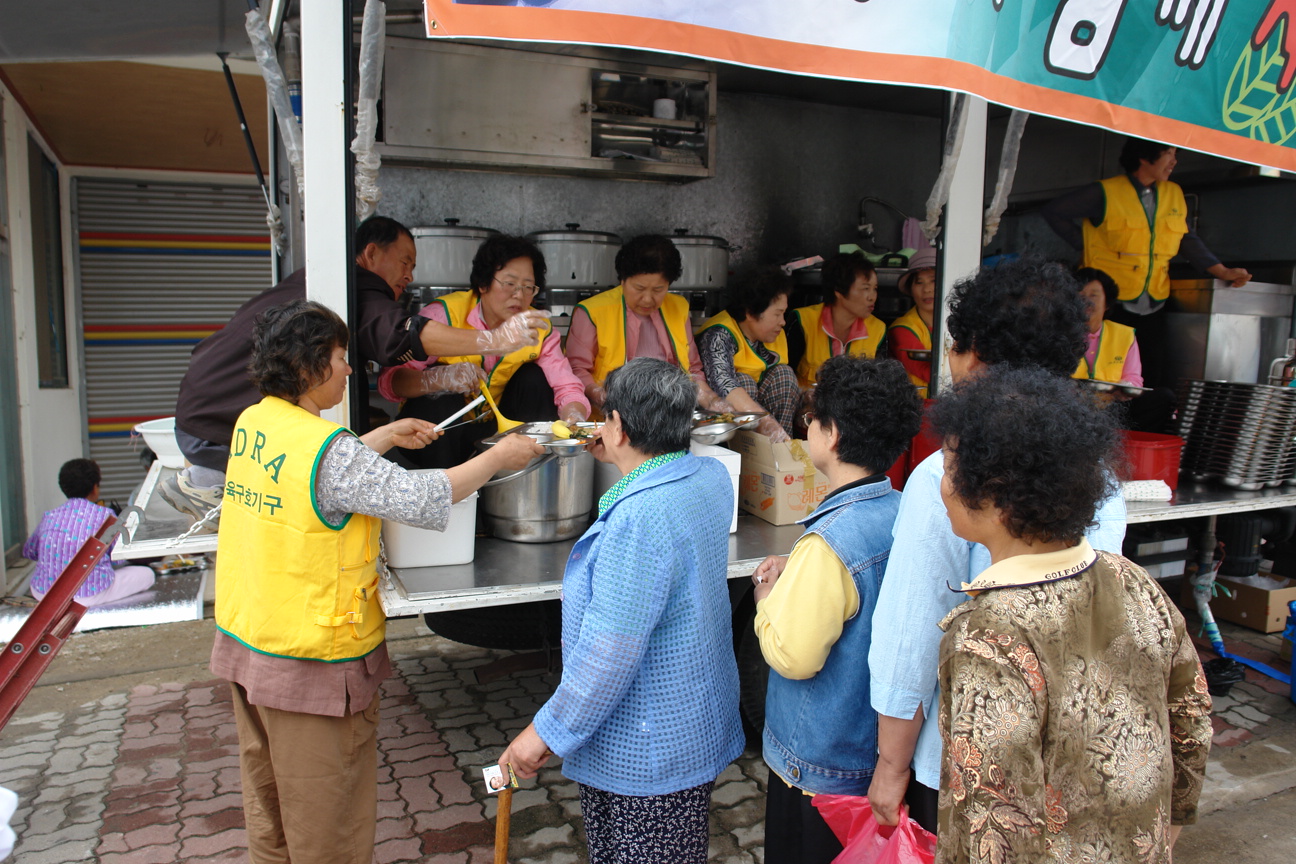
(1073, 710)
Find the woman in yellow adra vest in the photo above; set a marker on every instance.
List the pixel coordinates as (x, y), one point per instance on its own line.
(638, 318)
(745, 355)
(1112, 353)
(1130, 226)
(299, 628)
(532, 383)
(842, 324)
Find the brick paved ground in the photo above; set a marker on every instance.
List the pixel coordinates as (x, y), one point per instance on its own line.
(150, 776)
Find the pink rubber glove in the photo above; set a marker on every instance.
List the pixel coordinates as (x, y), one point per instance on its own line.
(454, 378)
(521, 330)
(772, 429)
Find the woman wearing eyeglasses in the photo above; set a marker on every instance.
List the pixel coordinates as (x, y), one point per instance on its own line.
(532, 383)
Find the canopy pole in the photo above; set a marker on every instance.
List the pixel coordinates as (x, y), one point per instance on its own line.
(329, 206)
(960, 248)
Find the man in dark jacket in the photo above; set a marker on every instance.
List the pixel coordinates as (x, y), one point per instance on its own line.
(216, 387)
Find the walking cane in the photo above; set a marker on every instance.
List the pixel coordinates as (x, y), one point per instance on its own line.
(502, 825)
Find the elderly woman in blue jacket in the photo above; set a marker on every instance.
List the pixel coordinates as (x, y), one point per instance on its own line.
(646, 714)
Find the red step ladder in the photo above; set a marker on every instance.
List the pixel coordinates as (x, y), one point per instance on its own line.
(52, 621)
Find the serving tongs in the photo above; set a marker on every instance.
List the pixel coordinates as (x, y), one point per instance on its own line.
(501, 421)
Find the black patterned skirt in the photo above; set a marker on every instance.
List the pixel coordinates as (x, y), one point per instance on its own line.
(655, 829)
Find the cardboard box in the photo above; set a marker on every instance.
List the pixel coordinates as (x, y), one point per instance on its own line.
(1257, 608)
(778, 482)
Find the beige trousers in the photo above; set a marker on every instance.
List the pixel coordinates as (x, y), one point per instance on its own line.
(310, 784)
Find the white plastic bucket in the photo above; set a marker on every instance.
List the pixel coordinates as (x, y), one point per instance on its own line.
(409, 547)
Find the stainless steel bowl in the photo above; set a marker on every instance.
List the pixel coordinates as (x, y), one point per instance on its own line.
(714, 433)
(565, 446)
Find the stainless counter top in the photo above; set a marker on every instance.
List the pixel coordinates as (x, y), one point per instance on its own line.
(505, 572)
(155, 533)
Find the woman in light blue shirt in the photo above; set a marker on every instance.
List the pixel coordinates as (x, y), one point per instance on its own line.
(646, 714)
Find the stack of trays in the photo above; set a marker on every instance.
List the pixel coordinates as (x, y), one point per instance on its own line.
(1240, 434)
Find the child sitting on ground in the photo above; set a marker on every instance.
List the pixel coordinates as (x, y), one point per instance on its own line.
(61, 533)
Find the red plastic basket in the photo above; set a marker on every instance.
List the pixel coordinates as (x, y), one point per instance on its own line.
(1154, 457)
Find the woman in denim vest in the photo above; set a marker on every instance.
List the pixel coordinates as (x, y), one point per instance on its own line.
(814, 608)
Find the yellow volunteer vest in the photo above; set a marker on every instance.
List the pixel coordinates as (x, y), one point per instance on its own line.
(457, 306)
(913, 322)
(1114, 343)
(747, 361)
(1129, 249)
(289, 583)
(819, 345)
(607, 311)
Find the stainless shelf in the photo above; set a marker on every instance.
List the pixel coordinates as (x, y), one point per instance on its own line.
(1194, 499)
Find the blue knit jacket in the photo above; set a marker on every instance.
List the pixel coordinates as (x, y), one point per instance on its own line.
(648, 702)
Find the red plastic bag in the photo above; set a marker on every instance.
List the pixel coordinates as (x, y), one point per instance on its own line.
(866, 842)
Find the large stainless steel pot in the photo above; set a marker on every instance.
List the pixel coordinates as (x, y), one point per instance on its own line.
(550, 499)
(578, 259)
(704, 260)
(445, 253)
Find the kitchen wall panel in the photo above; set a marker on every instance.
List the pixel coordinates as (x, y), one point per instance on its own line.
(788, 182)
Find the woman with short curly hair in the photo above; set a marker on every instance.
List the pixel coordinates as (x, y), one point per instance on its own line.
(814, 607)
(299, 627)
(1073, 710)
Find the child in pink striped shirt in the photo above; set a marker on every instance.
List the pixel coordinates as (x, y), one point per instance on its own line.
(62, 531)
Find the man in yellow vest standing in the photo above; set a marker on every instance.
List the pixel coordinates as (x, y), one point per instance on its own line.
(1130, 226)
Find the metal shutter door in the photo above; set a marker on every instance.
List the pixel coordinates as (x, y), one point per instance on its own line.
(160, 266)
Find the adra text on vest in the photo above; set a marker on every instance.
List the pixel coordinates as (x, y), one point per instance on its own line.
(272, 466)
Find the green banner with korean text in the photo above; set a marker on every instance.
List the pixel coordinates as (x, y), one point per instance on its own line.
(1209, 75)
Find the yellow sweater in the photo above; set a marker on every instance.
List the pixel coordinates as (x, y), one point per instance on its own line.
(802, 617)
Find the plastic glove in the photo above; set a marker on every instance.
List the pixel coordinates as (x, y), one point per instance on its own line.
(597, 395)
(572, 413)
(523, 329)
(772, 429)
(713, 403)
(455, 378)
